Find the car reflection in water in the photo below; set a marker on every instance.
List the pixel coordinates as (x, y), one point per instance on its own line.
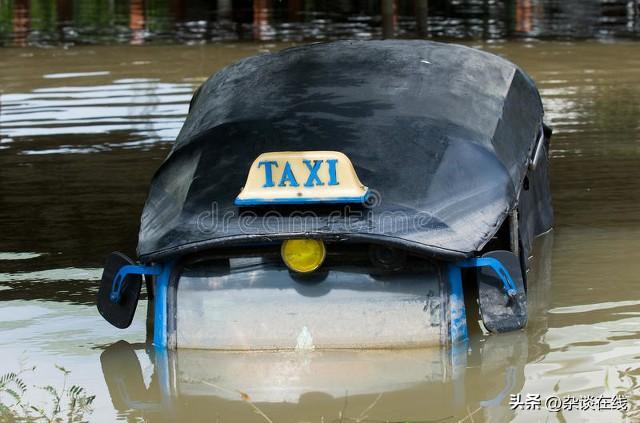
(185, 383)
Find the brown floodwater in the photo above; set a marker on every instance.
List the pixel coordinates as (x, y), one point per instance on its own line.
(83, 129)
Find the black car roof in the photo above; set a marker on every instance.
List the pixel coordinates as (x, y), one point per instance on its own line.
(439, 130)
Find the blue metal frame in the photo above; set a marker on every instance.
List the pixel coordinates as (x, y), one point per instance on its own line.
(123, 272)
(160, 334)
(507, 282)
(163, 273)
(458, 319)
(457, 311)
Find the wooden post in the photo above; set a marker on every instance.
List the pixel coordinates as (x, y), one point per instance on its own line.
(225, 10)
(295, 7)
(422, 13)
(20, 20)
(261, 12)
(509, 18)
(524, 18)
(389, 18)
(136, 21)
(176, 8)
(64, 11)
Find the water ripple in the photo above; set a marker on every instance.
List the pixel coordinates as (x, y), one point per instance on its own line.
(149, 110)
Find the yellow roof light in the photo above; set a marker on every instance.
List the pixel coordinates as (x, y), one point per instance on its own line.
(303, 255)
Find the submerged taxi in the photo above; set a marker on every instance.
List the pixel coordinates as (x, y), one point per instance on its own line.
(343, 195)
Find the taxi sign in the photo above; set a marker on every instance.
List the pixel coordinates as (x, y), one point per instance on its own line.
(298, 177)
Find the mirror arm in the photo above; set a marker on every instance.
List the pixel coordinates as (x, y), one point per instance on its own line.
(132, 269)
(507, 283)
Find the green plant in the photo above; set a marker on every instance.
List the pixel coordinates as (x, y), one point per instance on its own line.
(65, 404)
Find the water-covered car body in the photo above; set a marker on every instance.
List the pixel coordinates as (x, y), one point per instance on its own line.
(401, 162)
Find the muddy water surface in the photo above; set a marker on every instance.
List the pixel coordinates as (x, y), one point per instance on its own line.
(83, 129)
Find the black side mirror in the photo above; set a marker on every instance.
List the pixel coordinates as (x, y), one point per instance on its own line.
(501, 312)
(119, 307)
